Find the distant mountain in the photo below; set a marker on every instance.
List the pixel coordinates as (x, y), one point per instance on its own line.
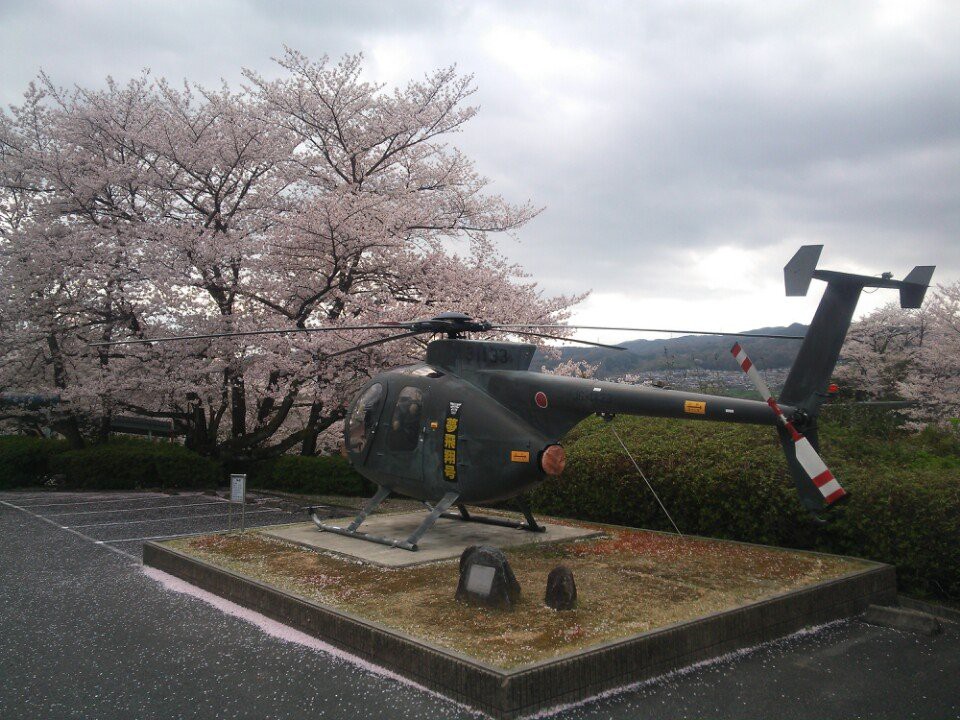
(708, 352)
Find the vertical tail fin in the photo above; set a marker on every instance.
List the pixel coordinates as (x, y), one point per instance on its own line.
(810, 374)
(806, 384)
(915, 286)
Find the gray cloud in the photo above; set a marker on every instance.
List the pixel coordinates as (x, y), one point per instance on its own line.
(653, 132)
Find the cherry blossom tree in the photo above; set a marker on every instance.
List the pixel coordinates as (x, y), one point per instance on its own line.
(909, 354)
(573, 368)
(316, 199)
(881, 351)
(933, 384)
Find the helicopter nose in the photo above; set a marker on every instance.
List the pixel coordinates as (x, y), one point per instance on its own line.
(553, 459)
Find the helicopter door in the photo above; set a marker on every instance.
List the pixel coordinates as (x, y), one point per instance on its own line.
(406, 425)
(363, 421)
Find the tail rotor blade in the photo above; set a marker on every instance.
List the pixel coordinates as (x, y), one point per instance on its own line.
(747, 366)
(806, 465)
(817, 471)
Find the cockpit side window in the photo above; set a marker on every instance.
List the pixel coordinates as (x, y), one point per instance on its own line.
(405, 425)
(363, 418)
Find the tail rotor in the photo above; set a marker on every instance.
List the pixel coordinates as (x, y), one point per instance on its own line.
(817, 486)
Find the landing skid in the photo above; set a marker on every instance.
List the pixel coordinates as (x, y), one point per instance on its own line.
(530, 524)
(409, 544)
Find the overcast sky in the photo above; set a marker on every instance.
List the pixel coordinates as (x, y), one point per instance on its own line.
(682, 151)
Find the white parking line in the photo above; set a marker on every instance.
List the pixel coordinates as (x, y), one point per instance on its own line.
(151, 537)
(118, 551)
(171, 537)
(57, 494)
(180, 517)
(129, 498)
(155, 507)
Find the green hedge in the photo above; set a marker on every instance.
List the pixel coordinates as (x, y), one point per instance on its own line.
(731, 481)
(129, 464)
(26, 460)
(308, 475)
(126, 463)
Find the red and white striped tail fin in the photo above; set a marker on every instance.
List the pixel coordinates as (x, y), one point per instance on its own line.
(807, 458)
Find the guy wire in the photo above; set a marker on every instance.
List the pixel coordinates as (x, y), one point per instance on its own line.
(662, 507)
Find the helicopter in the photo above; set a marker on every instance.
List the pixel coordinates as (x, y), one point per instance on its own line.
(472, 424)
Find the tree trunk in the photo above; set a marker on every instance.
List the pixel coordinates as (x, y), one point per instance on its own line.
(309, 444)
(197, 437)
(238, 406)
(70, 429)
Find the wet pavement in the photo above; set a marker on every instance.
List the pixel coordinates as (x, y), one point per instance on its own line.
(85, 634)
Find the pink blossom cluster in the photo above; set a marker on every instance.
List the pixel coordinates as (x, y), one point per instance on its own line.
(910, 354)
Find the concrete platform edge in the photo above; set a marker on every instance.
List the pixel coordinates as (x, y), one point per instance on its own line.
(570, 678)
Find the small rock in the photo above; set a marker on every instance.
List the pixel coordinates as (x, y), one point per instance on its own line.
(561, 589)
(486, 578)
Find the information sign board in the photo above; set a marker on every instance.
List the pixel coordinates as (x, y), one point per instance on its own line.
(238, 488)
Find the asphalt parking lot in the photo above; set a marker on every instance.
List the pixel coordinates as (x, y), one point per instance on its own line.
(122, 522)
(85, 634)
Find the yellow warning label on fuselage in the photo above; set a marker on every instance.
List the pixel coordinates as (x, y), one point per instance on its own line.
(519, 456)
(694, 407)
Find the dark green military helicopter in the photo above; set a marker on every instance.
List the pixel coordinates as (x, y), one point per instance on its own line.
(473, 425)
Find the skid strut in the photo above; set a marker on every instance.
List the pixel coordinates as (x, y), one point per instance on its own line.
(409, 544)
(530, 525)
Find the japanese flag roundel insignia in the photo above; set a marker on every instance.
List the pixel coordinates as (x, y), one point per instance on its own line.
(540, 399)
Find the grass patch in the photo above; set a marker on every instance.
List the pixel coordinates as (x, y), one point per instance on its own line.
(628, 581)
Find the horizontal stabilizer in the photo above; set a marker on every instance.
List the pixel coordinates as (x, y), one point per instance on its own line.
(798, 273)
(914, 286)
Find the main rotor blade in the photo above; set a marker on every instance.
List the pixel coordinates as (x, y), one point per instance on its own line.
(775, 336)
(245, 333)
(559, 337)
(381, 341)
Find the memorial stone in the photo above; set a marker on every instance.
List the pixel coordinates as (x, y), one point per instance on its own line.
(486, 578)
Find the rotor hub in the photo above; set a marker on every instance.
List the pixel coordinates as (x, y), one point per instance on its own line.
(454, 324)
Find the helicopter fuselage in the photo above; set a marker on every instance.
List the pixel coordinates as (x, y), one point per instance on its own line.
(474, 420)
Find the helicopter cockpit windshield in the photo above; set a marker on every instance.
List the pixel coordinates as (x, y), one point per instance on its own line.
(363, 419)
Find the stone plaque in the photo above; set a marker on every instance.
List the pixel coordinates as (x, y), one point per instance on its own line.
(480, 579)
(486, 578)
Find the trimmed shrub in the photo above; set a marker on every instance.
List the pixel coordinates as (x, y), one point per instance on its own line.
(122, 464)
(26, 460)
(308, 475)
(731, 481)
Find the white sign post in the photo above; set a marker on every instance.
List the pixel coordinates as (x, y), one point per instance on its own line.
(238, 494)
